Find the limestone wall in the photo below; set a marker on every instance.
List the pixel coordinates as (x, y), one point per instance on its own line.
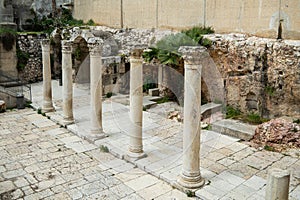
(259, 17)
(260, 75)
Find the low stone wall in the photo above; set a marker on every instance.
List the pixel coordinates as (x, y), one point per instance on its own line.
(260, 75)
(30, 44)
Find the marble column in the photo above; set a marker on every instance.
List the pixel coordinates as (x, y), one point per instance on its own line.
(47, 91)
(96, 90)
(190, 177)
(67, 89)
(135, 149)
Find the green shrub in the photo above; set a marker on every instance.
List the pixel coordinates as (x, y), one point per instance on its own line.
(8, 38)
(197, 32)
(232, 112)
(23, 58)
(254, 118)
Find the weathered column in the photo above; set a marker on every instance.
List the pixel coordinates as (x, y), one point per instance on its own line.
(160, 76)
(135, 149)
(96, 90)
(47, 91)
(278, 184)
(67, 89)
(190, 176)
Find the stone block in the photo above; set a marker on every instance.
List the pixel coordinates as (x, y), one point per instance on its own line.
(2, 106)
(154, 92)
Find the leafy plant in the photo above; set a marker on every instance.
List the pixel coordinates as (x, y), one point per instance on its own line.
(163, 100)
(109, 94)
(270, 90)
(232, 112)
(23, 58)
(166, 50)
(91, 23)
(296, 121)
(255, 118)
(104, 149)
(8, 38)
(269, 148)
(197, 32)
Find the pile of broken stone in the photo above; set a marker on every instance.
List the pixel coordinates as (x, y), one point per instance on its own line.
(277, 135)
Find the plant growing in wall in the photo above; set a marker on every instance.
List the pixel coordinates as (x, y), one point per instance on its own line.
(23, 58)
(8, 38)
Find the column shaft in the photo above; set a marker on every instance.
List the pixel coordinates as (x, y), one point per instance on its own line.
(47, 91)
(67, 83)
(136, 105)
(96, 90)
(190, 176)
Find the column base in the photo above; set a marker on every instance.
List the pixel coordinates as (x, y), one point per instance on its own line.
(48, 109)
(96, 134)
(187, 182)
(135, 155)
(67, 121)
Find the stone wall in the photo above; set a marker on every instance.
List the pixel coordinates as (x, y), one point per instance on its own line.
(30, 43)
(260, 75)
(257, 17)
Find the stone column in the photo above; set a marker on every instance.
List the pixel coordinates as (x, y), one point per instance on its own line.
(135, 149)
(96, 90)
(160, 76)
(278, 184)
(47, 91)
(190, 176)
(67, 89)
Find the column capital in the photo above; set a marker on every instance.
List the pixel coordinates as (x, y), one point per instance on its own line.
(45, 43)
(95, 49)
(66, 46)
(193, 55)
(136, 55)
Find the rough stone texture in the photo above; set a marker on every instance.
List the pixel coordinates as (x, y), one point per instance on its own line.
(261, 75)
(278, 134)
(30, 43)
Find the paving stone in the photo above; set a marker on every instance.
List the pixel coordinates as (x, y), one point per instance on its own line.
(75, 194)
(130, 174)
(121, 190)
(255, 182)
(220, 183)
(256, 162)
(142, 182)
(6, 186)
(214, 191)
(155, 190)
(227, 161)
(92, 188)
(17, 194)
(13, 173)
(175, 195)
(231, 178)
(103, 195)
(133, 196)
(240, 192)
(21, 182)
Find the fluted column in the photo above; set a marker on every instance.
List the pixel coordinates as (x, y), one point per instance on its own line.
(96, 90)
(67, 89)
(190, 176)
(135, 149)
(47, 91)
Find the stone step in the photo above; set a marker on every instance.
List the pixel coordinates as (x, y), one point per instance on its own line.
(210, 108)
(234, 128)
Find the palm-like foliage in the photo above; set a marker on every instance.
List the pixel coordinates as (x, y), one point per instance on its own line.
(166, 50)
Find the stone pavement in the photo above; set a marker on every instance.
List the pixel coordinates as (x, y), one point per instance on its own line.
(232, 169)
(42, 160)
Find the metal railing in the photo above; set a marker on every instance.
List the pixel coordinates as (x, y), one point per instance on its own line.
(14, 86)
